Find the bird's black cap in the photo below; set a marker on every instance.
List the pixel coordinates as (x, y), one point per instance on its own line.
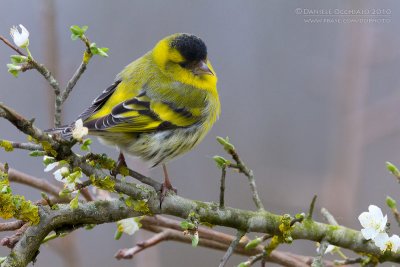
(191, 47)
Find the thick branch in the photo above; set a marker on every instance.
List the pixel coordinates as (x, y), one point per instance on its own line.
(88, 213)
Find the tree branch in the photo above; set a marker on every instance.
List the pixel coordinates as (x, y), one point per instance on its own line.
(222, 188)
(11, 226)
(72, 82)
(24, 125)
(9, 44)
(154, 240)
(242, 220)
(231, 248)
(23, 178)
(12, 240)
(25, 146)
(243, 169)
(96, 212)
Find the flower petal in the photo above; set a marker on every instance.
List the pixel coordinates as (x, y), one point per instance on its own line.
(129, 226)
(365, 219)
(381, 240)
(24, 31)
(395, 240)
(330, 249)
(383, 224)
(369, 233)
(79, 130)
(51, 166)
(375, 211)
(21, 39)
(57, 175)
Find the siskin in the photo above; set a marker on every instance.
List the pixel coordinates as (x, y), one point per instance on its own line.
(160, 106)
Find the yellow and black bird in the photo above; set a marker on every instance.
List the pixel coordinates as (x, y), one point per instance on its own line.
(160, 106)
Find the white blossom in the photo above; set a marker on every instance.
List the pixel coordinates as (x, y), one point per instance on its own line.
(61, 173)
(51, 166)
(14, 67)
(50, 163)
(79, 130)
(329, 249)
(373, 222)
(384, 242)
(128, 226)
(21, 39)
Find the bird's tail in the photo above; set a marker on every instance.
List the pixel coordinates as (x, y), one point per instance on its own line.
(64, 131)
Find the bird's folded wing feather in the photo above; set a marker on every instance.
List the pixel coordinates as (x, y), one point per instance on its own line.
(139, 114)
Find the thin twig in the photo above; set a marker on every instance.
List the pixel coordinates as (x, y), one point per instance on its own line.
(317, 262)
(254, 259)
(328, 216)
(396, 214)
(138, 176)
(222, 188)
(78, 73)
(86, 194)
(312, 205)
(144, 179)
(32, 63)
(47, 75)
(128, 253)
(25, 146)
(216, 240)
(11, 226)
(296, 220)
(249, 173)
(231, 248)
(349, 261)
(72, 82)
(54, 84)
(24, 178)
(9, 44)
(10, 241)
(47, 200)
(25, 126)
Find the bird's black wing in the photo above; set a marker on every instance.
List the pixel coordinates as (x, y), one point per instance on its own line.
(99, 101)
(66, 130)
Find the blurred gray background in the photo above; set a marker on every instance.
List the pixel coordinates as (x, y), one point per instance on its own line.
(311, 103)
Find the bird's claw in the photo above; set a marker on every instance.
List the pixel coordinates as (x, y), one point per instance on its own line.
(165, 189)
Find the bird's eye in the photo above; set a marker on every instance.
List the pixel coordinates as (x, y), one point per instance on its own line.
(184, 64)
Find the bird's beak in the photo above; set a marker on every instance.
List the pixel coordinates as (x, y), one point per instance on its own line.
(202, 68)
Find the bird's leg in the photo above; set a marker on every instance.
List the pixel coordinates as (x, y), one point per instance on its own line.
(167, 182)
(120, 163)
(166, 185)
